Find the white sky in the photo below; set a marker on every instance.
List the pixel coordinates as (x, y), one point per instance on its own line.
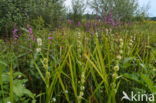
(150, 3)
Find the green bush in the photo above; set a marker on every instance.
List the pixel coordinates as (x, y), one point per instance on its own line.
(52, 11)
(13, 12)
(17, 13)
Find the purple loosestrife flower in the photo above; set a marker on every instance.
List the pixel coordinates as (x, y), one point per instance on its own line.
(79, 23)
(14, 31)
(30, 30)
(30, 33)
(15, 35)
(50, 36)
(108, 19)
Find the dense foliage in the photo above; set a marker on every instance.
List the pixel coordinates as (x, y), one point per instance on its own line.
(78, 9)
(121, 10)
(73, 65)
(18, 13)
(52, 11)
(13, 12)
(97, 59)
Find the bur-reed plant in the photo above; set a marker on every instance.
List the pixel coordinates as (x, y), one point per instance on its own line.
(73, 65)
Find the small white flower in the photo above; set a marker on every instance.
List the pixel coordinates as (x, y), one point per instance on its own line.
(134, 38)
(66, 91)
(83, 80)
(19, 76)
(115, 75)
(39, 41)
(79, 35)
(8, 102)
(38, 50)
(83, 75)
(116, 68)
(131, 41)
(82, 88)
(101, 91)
(79, 97)
(107, 31)
(79, 82)
(121, 51)
(121, 40)
(54, 99)
(130, 44)
(119, 57)
(121, 44)
(81, 94)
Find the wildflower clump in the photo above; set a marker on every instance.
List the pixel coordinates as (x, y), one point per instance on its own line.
(50, 37)
(120, 52)
(79, 44)
(47, 74)
(131, 42)
(39, 44)
(30, 33)
(82, 87)
(15, 34)
(53, 100)
(119, 56)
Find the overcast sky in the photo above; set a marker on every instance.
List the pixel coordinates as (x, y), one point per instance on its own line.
(151, 5)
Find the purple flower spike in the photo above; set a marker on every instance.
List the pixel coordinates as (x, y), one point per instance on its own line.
(14, 31)
(79, 23)
(15, 35)
(30, 30)
(50, 38)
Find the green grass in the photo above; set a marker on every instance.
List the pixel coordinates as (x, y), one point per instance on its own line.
(78, 67)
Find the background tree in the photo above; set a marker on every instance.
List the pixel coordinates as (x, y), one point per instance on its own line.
(120, 9)
(77, 10)
(52, 11)
(13, 12)
(22, 12)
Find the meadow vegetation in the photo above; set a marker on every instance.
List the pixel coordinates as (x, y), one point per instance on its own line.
(76, 61)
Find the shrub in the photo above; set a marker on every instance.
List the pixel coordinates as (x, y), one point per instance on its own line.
(13, 12)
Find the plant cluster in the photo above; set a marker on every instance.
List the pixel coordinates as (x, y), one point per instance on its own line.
(72, 65)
